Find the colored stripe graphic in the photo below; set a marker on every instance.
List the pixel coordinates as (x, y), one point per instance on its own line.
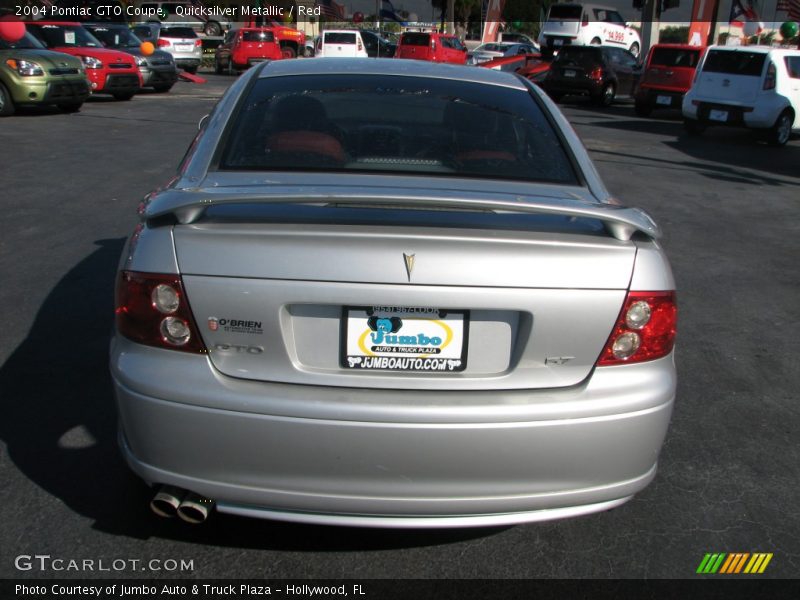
(711, 563)
(758, 563)
(734, 563)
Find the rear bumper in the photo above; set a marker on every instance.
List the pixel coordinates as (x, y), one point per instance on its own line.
(758, 115)
(659, 97)
(390, 458)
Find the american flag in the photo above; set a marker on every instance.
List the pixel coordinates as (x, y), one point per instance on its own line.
(790, 6)
(331, 9)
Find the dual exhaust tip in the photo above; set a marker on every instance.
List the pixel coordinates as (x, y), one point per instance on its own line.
(171, 501)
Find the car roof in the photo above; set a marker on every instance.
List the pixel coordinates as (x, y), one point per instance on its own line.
(755, 49)
(680, 46)
(391, 66)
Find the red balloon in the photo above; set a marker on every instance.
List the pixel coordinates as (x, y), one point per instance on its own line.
(11, 30)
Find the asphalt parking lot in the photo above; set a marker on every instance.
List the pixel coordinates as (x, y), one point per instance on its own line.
(729, 471)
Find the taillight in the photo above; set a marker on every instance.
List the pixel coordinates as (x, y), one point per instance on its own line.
(360, 47)
(585, 22)
(772, 75)
(162, 43)
(596, 74)
(645, 329)
(152, 309)
(198, 43)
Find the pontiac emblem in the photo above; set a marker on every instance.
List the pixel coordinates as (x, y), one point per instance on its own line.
(409, 258)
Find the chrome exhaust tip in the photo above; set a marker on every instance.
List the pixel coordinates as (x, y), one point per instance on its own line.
(195, 508)
(167, 500)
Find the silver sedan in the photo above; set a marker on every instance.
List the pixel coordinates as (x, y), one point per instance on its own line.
(391, 293)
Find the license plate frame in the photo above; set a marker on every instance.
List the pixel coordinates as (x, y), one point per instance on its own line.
(664, 100)
(379, 338)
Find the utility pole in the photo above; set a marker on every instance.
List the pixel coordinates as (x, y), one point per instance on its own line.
(650, 26)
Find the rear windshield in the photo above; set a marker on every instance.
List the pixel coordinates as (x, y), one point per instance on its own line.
(395, 124)
(340, 38)
(578, 55)
(675, 57)
(415, 39)
(565, 13)
(735, 63)
(65, 35)
(258, 36)
(178, 32)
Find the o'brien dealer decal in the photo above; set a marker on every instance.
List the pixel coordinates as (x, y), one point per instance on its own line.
(402, 338)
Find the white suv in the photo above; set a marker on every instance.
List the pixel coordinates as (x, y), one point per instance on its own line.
(746, 86)
(585, 24)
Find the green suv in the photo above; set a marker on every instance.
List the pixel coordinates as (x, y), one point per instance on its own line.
(31, 75)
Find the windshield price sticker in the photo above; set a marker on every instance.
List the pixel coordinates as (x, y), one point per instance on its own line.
(397, 338)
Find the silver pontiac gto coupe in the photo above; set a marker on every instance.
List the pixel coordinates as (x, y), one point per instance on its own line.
(391, 293)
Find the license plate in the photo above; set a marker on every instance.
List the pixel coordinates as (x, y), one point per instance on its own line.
(718, 115)
(558, 42)
(400, 338)
(183, 46)
(569, 73)
(665, 100)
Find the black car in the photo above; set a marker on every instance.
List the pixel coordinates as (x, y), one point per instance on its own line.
(377, 46)
(158, 69)
(601, 72)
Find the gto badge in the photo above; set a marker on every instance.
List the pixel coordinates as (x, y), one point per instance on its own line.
(409, 258)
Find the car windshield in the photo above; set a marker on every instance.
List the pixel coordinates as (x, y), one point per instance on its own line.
(28, 42)
(395, 124)
(415, 39)
(675, 57)
(116, 37)
(735, 62)
(258, 36)
(55, 36)
(178, 32)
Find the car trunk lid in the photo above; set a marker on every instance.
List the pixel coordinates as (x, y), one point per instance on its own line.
(284, 293)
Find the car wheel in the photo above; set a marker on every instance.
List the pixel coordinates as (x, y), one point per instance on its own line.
(693, 127)
(124, 97)
(555, 96)
(634, 49)
(6, 103)
(213, 29)
(288, 52)
(70, 107)
(780, 133)
(162, 89)
(231, 70)
(643, 109)
(607, 95)
(217, 67)
(191, 70)
(596, 42)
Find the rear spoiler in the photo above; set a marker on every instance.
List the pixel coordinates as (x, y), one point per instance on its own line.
(187, 206)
